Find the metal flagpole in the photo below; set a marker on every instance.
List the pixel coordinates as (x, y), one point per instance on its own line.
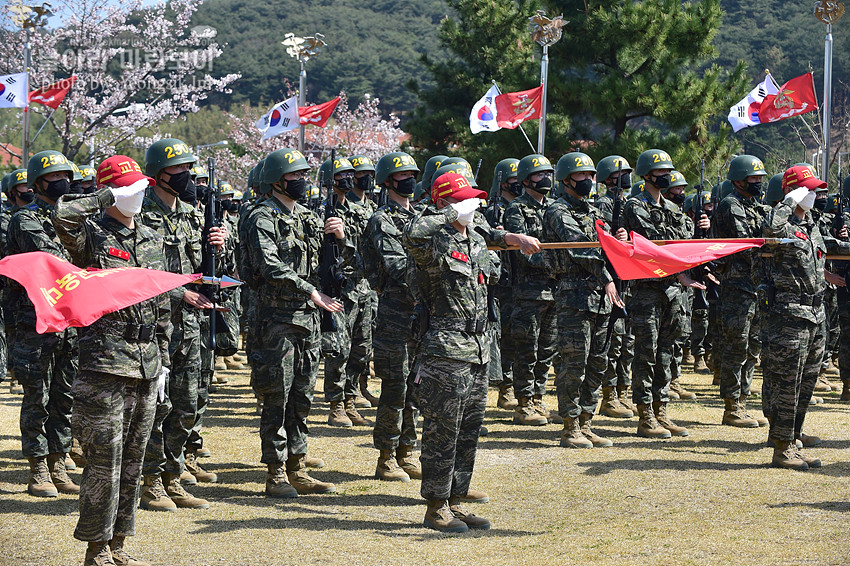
(544, 80)
(302, 102)
(546, 32)
(828, 12)
(302, 48)
(25, 146)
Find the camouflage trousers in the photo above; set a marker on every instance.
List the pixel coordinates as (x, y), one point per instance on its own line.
(699, 332)
(175, 417)
(394, 357)
(112, 420)
(583, 347)
(452, 396)
(348, 350)
(45, 365)
(535, 339)
(621, 351)
(833, 326)
(739, 326)
(506, 345)
(657, 314)
(715, 324)
(494, 335)
(195, 441)
(790, 364)
(284, 368)
(4, 345)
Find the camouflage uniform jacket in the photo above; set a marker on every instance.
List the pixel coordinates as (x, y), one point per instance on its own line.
(244, 255)
(452, 276)
(739, 217)
(365, 202)
(384, 234)
(532, 276)
(582, 273)
(495, 216)
(97, 240)
(605, 205)
(355, 218)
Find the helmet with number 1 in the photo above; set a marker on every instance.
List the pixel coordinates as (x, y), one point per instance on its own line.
(340, 165)
(166, 152)
(652, 159)
(575, 162)
(505, 169)
(430, 166)
(610, 165)
(46, 162)
(743, 166)
(394, 162)
(279, 163)
(531, 164)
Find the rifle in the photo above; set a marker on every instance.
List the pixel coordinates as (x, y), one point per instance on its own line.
(617, 312)
(330, 263)
(700, 298)
(212, 219)
(477, 170)
(838, 221)
(495, 197)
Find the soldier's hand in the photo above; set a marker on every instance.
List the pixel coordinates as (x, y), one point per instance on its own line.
(325, 302)
(527, 244)
(197, 300)
(621, 234)
(834, 278)
(704, 223)
(613, 296)
(710, 276)
(217, 236)
(334, 225)
(688, 282)
(843, 233)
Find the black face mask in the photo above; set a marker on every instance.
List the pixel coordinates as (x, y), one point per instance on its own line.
(296, 190)
(26, 197)
(625, 181)
(181, 184)
(228, 205)
(515, 188)
(405, 187)
(56, 189)
(345, 184)
(820, 204)
(76, 188)
(661, 181)
(582, 188)
(542, 186)
(677, 198)
(365, 183)
(754, 189)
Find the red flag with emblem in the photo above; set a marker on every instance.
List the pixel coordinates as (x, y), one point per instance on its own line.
(53, 95)
(795, 97)
(514, 108)
(642, 259)
(318, 114)
(65, 295)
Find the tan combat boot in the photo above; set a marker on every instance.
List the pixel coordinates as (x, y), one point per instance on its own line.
(337, 415)
(70, 466)
(16, 388)
(408, 462)
(40, 484)
(239, 358)
(525, 413)
(472, 521)
(687, 357)
(760, 419)
(439, 516)
(219, 364)
(598, 441)
(648, 426)
(194, 468)
(541, 408)
(98, 554)
(506, 398)
(219, 379)
(364, 390)
(313, 462)
(807, 441)
(735, 415)
(77, 454)
(232, 364)
(296, 472)
(353, 415)
(785, 456)
(623, 396)
(823, 385)
(388, 468)
(680, 390)
(474, 496)
(700, 365)
(611, 405)
(571, 437)
(660, 410)
(361, 402)
(120, 556)
(187, 478)
(277, 484)
(154, 496)
(182, 498)
(810, 461)
(59, 475)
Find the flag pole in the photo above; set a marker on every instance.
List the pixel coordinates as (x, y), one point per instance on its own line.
(544, 80)
(546, 32)
(25, 146)
(46, 120)
(828, 13)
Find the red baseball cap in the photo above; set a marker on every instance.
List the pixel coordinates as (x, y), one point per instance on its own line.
(455, 186)
(802, 176)
(121, 171)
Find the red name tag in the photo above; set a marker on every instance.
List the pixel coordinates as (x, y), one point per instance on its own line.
(462, 257)
(801, 236)
(480, 278)
(119, 253)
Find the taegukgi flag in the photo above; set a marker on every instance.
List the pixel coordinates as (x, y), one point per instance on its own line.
(13, 91)
(282, 118)
(746, 112)
(483, 115)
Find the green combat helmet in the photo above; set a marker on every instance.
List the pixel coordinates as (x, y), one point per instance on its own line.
(362, 163)
(250, 182)
(88, 172)
(652, 159)
(430, 166)
(166, 153)
(198, 171)
(505, 169)
(845, 187)
(689, 201)
(574, 162)
(610, 165)
(743, 166)
(5, 185)
(637, 188)
(279, 163)
(831, 202)
(44, 163)
(13, 179)
(774, 192)
(340, 164)
(418, 191)
(261, 187)
(457, 165)
(530, 164)
(391, 163)
(726, 188)
(226, 189)
(78, 175)
(676, 180)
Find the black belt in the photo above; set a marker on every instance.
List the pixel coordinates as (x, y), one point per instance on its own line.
(130, 331)
(471, 325)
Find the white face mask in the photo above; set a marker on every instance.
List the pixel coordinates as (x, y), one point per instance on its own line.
(466, 210)
(129, 200)
(808, 201)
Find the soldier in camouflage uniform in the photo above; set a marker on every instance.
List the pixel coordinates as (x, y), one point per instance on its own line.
(122, 356)
(699, 343)
(350, 346)
(285, 239)
(18, 195)
(584, 295)
(823, 220)
(451, 267)
(386, 263)
(534, 316)
(657, 305)
(44, 364)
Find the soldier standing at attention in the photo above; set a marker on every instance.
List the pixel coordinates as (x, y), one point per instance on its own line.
(534, 315)
(123, 356)
(656, 305)
(451, 263)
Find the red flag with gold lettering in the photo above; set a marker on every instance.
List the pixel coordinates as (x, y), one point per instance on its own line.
(642, 259)
(65, 295)
(318, 114)
(514, 108)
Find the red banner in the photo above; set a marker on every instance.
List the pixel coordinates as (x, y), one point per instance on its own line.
(514, 108)
(795, 97)
(65, 295)
(641, 259)
(318, 114)
(53, 95)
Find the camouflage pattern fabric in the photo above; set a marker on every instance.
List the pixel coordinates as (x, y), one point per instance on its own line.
(504, 296)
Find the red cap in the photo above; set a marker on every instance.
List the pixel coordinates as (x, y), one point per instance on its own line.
(455, 186)
(121, 171)
(802, 176)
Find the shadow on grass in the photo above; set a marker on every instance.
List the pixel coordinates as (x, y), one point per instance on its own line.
(62, 505)
(602, 468)
(838, 506)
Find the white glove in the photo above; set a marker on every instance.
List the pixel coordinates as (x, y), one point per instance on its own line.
(466, 210)
(798, 194)
(160, 384)
(129, 199)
